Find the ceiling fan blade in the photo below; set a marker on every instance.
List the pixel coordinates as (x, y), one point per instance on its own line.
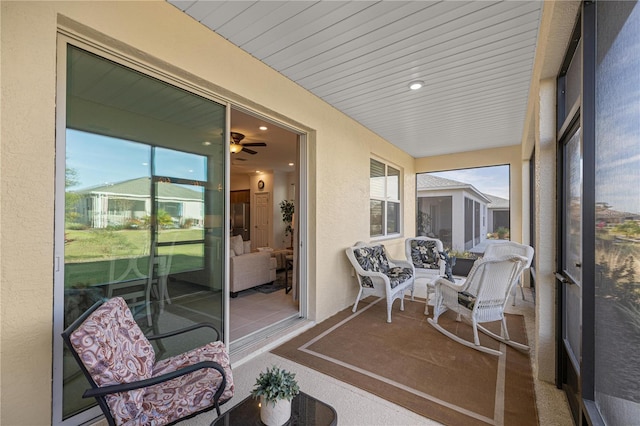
(249, 151)
(254, 144)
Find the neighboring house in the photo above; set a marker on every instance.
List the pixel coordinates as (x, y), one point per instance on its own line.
(456, 212)
(497, 213)
(120, 203)
(606, 216)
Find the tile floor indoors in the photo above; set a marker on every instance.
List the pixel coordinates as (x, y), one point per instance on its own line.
(357, 407)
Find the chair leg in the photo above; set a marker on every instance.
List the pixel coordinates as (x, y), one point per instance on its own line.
(476, 339)
(355, 305)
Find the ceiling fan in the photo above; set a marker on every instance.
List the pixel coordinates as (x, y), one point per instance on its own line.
(236, 146)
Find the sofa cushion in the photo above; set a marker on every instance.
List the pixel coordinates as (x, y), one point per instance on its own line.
(235, 243)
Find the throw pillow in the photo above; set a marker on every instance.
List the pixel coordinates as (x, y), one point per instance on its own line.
(235, 243)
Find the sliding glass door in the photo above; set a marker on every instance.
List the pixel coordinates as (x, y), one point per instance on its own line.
(143, 210)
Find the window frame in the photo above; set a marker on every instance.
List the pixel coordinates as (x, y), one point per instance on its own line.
(386, 199)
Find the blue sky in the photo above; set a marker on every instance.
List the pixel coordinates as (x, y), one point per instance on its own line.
(488, 180)
(99, 160)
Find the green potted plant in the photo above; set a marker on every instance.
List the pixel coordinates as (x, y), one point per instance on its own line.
(276, 388)
(287, 208)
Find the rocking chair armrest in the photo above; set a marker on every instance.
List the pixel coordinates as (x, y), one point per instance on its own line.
(185, 330)
(124, 387)
(442, 281)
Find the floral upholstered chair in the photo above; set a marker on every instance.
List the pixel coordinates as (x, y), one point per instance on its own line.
(424, 254)
(131, 387)
(378, 275)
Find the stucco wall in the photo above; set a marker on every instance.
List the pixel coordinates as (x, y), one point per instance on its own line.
(160, 35)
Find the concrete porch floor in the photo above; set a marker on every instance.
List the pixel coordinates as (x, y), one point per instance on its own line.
(357, 407)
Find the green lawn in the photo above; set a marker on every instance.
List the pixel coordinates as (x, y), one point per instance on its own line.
(99, 256)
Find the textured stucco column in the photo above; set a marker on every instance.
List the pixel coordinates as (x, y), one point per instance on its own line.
(545, 217)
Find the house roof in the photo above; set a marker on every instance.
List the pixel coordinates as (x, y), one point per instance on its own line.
(139, 187)
(497, 202)
(429, 182)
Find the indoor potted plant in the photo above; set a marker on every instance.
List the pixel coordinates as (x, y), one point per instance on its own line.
(287, 208)
(276, 388)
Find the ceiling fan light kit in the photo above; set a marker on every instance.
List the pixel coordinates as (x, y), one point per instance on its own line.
(236, 145)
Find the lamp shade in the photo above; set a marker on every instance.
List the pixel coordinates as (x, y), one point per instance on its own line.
(234, 148)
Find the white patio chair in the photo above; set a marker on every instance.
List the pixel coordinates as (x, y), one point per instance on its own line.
(481, 298)
(424, 254)
(378, 275)
(503, 248)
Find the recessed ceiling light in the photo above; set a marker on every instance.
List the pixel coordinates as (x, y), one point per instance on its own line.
(415, 85)
(258, 171)
(291, 164)
(206, 143)
(263, 127)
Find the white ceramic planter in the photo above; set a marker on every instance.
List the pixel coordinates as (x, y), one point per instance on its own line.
(275, 415)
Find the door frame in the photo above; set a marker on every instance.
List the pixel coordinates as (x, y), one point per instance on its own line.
(584, 408)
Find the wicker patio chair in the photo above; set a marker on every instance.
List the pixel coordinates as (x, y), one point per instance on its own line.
(378, 275)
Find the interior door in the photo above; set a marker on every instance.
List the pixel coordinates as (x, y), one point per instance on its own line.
(570, 265)
(261, 234)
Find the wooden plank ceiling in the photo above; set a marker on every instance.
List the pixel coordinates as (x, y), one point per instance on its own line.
(475, 59)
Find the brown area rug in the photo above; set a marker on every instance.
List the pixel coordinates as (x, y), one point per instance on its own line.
(410, 363)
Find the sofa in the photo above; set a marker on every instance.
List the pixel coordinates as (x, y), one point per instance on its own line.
(248, 269)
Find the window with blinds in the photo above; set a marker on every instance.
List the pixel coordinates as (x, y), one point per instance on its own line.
(384, 212)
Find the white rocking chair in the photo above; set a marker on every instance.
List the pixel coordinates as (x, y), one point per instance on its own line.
(503, 248)
(481, 298)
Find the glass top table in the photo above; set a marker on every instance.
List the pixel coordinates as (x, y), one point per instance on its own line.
(305, 410)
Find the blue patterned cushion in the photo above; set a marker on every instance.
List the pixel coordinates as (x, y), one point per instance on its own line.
(398, 275)
(374, 259)
(467, 300)
(424, 254)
